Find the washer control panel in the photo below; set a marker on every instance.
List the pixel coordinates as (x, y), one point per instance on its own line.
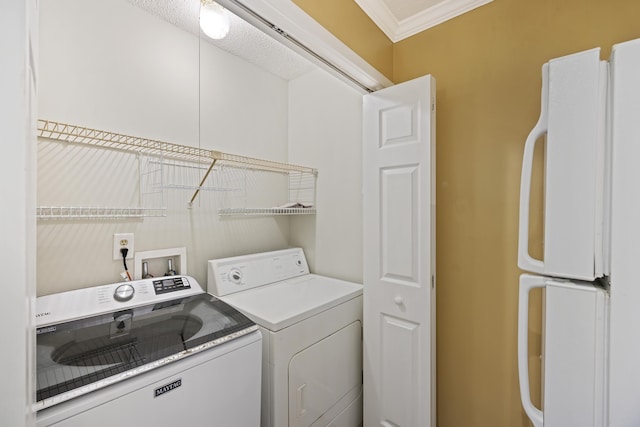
(81, 303)
(230, 275)
(170, 284)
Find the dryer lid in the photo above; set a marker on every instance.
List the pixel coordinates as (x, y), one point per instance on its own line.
(285, 303)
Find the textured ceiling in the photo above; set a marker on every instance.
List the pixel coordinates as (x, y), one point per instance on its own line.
(243, 40)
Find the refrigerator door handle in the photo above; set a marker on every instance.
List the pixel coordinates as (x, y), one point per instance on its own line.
(527, 284)
(525, 260)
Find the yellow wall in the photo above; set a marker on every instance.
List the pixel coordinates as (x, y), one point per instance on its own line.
(487, 67)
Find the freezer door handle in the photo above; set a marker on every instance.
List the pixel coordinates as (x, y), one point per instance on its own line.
(525, 260)
(527, 284)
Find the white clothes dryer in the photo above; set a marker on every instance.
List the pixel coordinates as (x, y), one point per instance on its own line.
(312, 336)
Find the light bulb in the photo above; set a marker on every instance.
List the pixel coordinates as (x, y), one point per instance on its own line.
(214, 20)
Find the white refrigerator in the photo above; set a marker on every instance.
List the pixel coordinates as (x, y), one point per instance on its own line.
(590, 122)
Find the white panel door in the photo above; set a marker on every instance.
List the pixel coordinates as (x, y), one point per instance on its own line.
(399, 255)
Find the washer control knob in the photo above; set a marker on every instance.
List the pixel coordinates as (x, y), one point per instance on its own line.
(124, 292)
(235, 276)
(299, 262)
(398, 300)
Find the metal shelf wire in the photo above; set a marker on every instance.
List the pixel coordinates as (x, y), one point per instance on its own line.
(100, 138)
(301, 179)
(75, 212)
(266, 211)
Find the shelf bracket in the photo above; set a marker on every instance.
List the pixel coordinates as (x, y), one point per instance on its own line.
(204, 178)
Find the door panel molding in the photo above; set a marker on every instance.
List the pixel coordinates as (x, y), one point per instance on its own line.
(399, 255)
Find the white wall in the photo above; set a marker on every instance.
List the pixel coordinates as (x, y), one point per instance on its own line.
(325, 131)
(17, 170)
(111, 66)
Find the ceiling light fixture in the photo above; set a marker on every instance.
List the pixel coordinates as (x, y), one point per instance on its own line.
(214, 19)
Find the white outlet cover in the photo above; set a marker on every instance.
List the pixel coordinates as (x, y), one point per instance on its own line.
(118, 240)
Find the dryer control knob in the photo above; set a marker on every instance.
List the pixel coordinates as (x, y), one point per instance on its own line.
(235, 276)
(124, 293)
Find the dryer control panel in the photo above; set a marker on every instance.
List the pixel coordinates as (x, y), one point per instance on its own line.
(235, 274)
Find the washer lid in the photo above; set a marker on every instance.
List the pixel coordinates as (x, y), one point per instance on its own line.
(285, 303)
(74, 358)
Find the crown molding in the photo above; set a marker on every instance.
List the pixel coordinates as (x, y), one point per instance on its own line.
(398, 30)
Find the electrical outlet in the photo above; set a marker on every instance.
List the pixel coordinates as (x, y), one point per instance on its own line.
(122, 240)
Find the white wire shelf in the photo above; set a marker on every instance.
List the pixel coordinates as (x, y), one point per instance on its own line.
(266, 211)
(189, 168)
(87, 212)
(82, 135)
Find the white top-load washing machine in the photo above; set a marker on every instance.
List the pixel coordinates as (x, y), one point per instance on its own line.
(312, 336)
(153, 352)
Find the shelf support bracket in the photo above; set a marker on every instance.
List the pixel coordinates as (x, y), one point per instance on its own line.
(204, 178)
